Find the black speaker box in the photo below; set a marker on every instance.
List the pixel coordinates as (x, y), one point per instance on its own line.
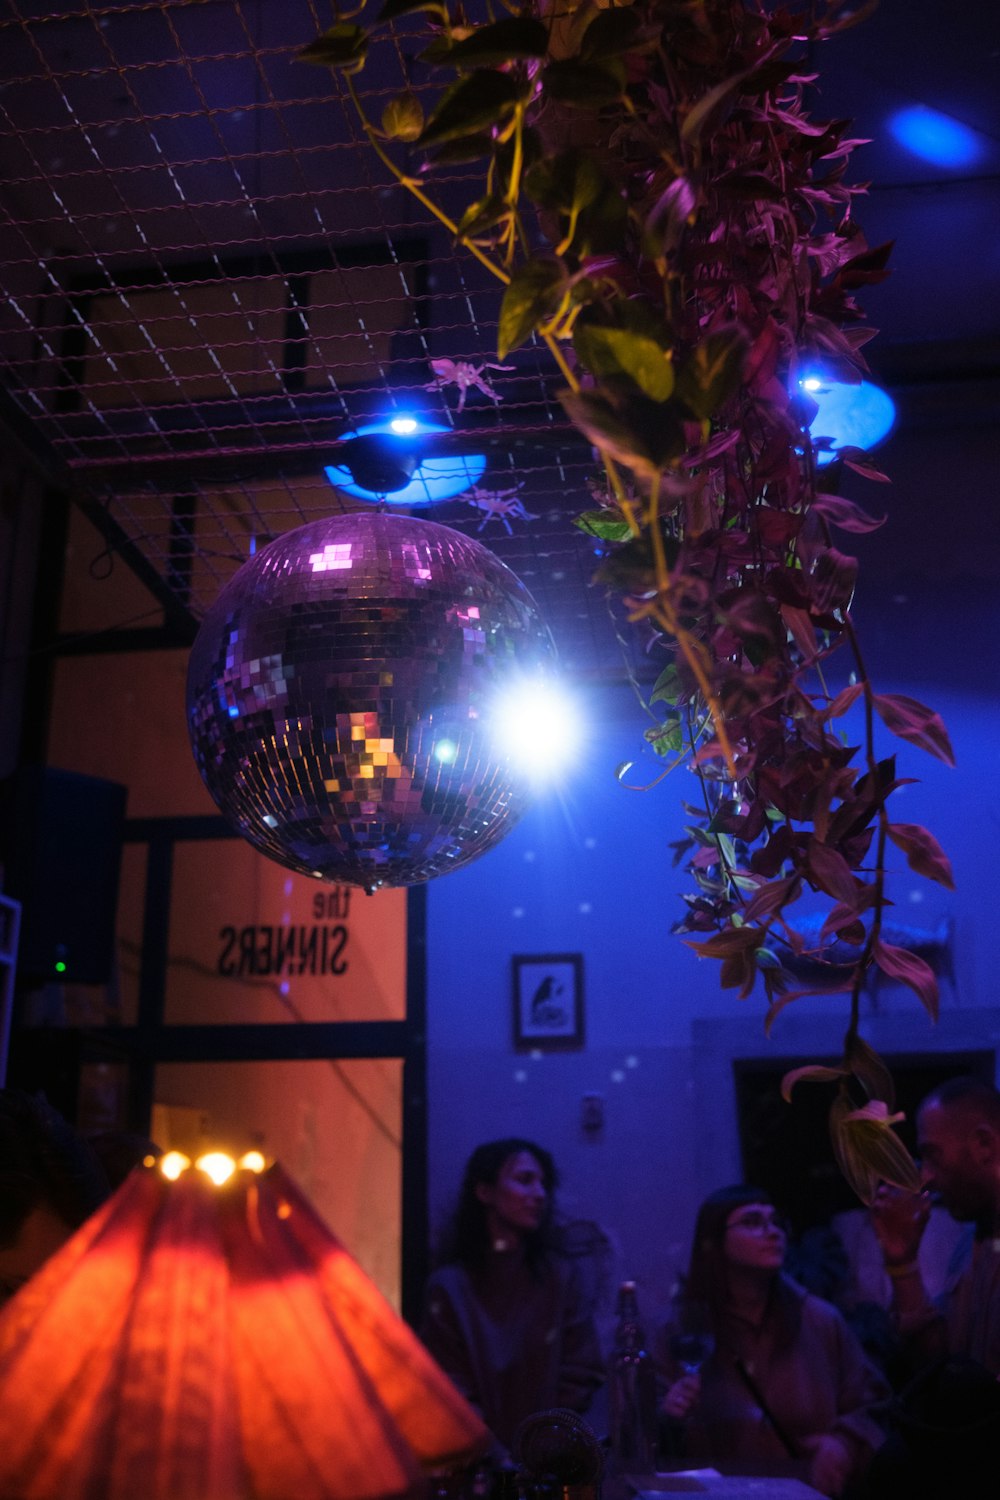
(61, 843)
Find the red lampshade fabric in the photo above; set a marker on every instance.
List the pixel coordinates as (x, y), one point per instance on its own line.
(201, 1343)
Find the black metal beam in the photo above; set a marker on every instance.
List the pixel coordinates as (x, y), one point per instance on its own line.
(296, 1041)
(415, 1215)
(115, 642)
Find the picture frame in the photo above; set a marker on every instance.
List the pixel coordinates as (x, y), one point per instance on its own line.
(548, 1000)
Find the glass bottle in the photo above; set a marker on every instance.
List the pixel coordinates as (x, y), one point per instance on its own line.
(631, 1390)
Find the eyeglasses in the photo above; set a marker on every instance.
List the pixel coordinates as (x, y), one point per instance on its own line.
(757, 1222)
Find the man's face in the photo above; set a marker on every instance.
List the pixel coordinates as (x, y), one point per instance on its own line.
(41, 1235)
(952, 1164)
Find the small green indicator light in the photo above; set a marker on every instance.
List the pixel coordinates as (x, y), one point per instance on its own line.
(60, 967)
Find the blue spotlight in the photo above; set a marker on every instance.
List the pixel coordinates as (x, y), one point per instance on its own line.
(935, 137)
(382, 461)
(538, 726)
(848, 416)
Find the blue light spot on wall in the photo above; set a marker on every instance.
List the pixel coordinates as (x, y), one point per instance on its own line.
(848, 416)
(439, 477)
(935, 137)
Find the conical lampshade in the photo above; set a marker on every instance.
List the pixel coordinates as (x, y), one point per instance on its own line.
(194, 1342)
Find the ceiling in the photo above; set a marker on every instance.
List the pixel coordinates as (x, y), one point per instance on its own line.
(208, 278)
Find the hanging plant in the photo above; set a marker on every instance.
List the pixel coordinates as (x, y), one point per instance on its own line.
(660, 209)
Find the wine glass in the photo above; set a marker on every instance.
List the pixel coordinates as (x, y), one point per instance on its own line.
(691, 1339)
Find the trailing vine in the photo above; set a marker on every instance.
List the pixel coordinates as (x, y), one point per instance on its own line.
(660, 209)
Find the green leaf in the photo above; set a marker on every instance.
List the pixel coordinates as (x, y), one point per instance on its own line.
(869, 1151)
(606, 351)
(668, 687)
(666, 739)
(647, 439)
(343, 47)
(713, 371)
(482, 215)
(532, 295)
(696, 118)
(475, 103)
(581, 85)
(490, 46)
(465, 148)
(611, 33)
(403, 118)
(605, 524)
(598, 420)
(567, 182)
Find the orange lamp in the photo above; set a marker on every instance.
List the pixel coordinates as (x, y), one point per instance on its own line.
(195, 1341)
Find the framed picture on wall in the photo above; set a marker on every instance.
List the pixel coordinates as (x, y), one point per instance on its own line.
(548, 1000)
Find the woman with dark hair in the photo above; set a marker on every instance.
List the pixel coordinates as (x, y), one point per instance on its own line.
(787, 1388)
(504, 1313)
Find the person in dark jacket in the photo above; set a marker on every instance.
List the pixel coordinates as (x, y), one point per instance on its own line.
(505, 1313)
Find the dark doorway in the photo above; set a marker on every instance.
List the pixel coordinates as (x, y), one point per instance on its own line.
(786, 1149)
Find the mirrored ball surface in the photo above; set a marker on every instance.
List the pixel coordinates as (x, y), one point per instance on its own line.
(340, 698)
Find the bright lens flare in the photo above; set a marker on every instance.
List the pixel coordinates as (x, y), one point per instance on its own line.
(216, 1165)
(537, 725)
(173, 1164)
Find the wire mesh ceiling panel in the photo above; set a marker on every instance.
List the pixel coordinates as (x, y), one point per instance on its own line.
(210, 281)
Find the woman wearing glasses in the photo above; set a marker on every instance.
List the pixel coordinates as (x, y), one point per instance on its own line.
(786, 1388)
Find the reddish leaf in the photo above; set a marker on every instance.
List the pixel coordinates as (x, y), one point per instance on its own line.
(811, 1073)
(801, 629)
(779, 1005)
(831, 872)
(844, 699)
(833, 578)
(731, 940)
(914, 722)
(844, 922)
(909, 969)
(771, 897)
(924, 854)
(871, 1072)
(845, 514)
(858, 460)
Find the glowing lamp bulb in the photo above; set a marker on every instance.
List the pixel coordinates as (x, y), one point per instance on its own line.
(433, 477)
(252, 1161)
(173, 1164)
(217, 1166)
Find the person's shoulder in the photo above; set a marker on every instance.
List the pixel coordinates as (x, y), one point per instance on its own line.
(452, 1277)
(818, 1311)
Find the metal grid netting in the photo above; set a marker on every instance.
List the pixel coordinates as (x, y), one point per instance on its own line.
(208, 276)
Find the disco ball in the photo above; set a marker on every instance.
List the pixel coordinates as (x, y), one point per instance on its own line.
(340, 698)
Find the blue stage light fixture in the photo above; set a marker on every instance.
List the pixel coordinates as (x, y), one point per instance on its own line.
(848, 416)
(936, 137)
(382, 461)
